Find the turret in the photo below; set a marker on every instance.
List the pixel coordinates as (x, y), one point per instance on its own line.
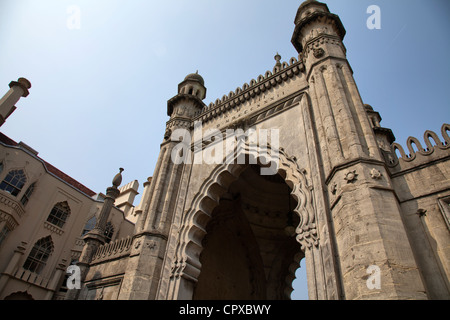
(191, 92)
(159, 198)
(318, 33)
(352, 164)
(18, 89)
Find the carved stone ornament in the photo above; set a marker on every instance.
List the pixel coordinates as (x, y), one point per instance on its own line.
(351, 176)
(333, 188)
(151, 245)
(167, 134)
(421, 212)
(318, 53)
(375, 174)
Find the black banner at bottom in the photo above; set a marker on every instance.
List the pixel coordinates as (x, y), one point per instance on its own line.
(169, 310)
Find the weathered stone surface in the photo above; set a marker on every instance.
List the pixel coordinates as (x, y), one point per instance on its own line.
(218, 230)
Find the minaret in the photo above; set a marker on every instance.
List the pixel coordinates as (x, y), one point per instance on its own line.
(159, 198)
(96, 237)
(18, 89)
(363, 211)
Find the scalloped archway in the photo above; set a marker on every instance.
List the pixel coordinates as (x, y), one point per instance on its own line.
(186, 265)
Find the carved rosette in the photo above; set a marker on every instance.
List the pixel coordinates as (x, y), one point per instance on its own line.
(318, 53)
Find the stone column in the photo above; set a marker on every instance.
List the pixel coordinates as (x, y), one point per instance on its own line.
(12, 265)
(17, 90)
(60, 270)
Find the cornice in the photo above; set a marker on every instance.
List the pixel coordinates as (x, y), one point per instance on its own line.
(182, 96)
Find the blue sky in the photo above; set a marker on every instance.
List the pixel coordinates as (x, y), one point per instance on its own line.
(99, 93)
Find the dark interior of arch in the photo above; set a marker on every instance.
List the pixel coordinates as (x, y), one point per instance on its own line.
(247, 254)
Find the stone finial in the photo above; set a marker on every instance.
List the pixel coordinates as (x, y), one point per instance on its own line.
(277, 59)
(22, 83)
(118, 178)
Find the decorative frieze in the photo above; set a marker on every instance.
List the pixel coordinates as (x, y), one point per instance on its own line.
(397, 159)
(53, 228)
(113, 250)
(253, 89)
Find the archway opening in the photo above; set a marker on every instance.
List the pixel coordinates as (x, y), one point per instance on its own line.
(250, 250)
(23, 295)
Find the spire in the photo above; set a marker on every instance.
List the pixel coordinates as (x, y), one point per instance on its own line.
(96, 237)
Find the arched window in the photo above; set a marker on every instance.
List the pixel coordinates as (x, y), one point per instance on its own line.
(90, 224)
(59, 214)
(109, 231)
(14, 182)
(38, 256)
(3, 233)
(28, 194)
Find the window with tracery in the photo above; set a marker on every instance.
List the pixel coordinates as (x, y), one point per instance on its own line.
(14, 182)
(109, 231)
(28, 194)
(39, 255)
(59, 214)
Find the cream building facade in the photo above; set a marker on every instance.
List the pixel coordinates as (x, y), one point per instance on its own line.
(371, 220)
(44, 214)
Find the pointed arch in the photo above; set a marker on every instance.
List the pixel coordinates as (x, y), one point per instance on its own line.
(59, 214)
(428, 136)
(414, 141)
(39, 254)
(186, 263)
(397, 147)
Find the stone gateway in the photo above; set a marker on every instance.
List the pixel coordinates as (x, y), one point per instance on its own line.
(321, 180)
(345, 197)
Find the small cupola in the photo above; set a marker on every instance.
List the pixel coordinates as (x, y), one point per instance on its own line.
(193, 85)
(191, 93)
